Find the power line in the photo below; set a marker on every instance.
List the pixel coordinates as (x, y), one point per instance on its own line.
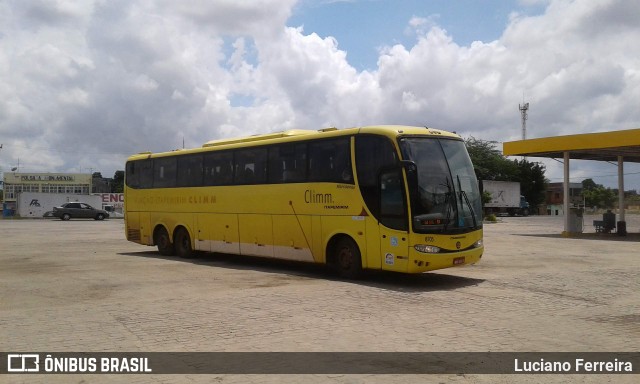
(594, 176)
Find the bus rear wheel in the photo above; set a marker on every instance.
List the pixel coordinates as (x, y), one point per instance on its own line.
(161, 238)
(183, 243)
(347, 261)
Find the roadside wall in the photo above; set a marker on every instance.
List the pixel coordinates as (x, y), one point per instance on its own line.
(35, 204)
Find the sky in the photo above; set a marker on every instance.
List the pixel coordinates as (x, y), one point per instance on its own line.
(84, 84)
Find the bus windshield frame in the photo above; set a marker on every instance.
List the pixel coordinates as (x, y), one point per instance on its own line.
(443, 189)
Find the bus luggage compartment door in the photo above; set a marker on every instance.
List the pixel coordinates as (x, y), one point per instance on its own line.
(256, 235)
(292, 237)
(218, 233)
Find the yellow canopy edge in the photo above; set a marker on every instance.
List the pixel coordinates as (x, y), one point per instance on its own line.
(604, 146)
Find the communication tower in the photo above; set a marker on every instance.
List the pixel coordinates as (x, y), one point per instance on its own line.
(523, 112)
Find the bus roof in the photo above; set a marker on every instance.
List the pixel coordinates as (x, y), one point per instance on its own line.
(266, 136)
(391, 131)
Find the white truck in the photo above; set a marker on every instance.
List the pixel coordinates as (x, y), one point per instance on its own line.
(505, 198)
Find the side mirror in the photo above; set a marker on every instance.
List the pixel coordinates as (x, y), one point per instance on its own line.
(409, 165)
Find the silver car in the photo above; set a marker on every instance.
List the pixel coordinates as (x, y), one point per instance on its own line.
(78, 210)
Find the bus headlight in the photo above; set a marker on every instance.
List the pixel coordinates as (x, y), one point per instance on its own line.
(423, 248)
(478, 244)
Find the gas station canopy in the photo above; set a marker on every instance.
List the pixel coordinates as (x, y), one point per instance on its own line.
(603, 146)
(619, 146)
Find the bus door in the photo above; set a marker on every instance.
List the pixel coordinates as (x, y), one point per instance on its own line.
(394, 238)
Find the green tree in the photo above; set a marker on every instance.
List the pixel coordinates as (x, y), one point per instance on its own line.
(486, 197)
(488, 162)
(533, 183)
(588, 184)
(596, 195)
(118, 182)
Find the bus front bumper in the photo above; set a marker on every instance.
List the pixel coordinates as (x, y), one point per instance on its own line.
(422, 262)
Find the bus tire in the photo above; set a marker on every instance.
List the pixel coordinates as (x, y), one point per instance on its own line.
(162, 240)
(347, 261)
(183, 243)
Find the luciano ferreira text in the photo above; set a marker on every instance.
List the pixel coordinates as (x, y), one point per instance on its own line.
(576, 366)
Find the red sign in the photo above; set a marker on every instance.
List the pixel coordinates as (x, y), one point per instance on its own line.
(112, 198)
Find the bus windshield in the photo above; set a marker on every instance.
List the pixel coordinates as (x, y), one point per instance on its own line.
(443, 187)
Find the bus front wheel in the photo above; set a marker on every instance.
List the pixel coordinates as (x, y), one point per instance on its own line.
(347, 260)
(183, 243)
(161, 238)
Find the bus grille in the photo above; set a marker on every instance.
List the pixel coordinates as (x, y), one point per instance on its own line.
(133, 234)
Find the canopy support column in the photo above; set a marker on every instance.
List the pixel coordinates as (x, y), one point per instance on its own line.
(566, 197)
(621, 187)
(621, 225)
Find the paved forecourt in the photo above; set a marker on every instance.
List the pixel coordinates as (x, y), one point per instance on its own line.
(79, 286)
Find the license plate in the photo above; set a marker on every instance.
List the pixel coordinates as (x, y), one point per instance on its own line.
(458, 261)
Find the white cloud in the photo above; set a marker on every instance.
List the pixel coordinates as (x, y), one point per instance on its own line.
(421, 25)
(110, 78)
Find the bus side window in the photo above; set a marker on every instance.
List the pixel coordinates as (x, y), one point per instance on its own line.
(218, 168)
(164, 172)
(330, 161)
(251, 166)
(133, 174)
(146, 173)
(189, 171)
(276, 165)
(287, 163)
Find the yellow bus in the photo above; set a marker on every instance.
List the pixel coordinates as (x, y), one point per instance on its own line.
(394, 198)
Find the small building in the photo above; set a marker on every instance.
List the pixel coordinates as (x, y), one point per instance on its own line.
(555, 197)
(54, 183)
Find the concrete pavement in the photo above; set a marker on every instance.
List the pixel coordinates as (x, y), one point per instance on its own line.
(80, 286)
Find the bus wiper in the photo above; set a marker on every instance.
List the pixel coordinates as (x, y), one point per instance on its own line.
(447, 202)
(466, 199)
(473, 215)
